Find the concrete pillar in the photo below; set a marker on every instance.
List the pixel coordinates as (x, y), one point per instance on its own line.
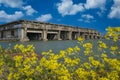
(25, 32)
(92, 36)
(24, 35)
(44, 35)
(70, 35)
(58, 36)
(76, 35)
(88, 35)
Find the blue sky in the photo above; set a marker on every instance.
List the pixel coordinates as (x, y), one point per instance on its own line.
(95, 14)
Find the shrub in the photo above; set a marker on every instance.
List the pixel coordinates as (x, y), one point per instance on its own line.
(104, 64)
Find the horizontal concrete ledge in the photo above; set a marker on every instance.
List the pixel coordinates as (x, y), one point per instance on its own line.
(26, 30)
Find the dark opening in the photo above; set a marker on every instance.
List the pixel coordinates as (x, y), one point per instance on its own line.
(81, 33)
(12, 33)
(74, 35)
(98, 37)
(90, 37)
(64, 35)
(86, 37)
(51, 36)
(34, 36)
(2, 34)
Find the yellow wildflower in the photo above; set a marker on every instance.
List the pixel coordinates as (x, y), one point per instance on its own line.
(80, 39)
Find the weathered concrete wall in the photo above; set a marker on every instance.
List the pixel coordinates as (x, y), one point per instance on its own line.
(45, 31)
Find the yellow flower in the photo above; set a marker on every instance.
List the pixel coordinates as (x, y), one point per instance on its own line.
(76, 49)
(1, 70)
(113, 75)
(113, 48)
(104, 55)
(82, 74)
(102, 44)
(18, 60)
(1, 63)
(10, 76)
(63, 78)
(103, 78)
(87, 65)
(80, 39)
(88, 48)
(94, 62)
(87, 45)
(16, 46)
(62, 53)
(39, 69)
(50, 51)
(113, 33)
(16, 76)
(70, 50)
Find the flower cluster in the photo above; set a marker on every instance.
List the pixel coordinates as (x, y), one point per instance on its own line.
(70, 64)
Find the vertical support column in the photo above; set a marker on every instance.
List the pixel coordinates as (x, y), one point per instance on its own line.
(92, 36)
(58, 36)
(88, 35)
(44, 35)
(70, 35)
(83, 35)
(24, 34)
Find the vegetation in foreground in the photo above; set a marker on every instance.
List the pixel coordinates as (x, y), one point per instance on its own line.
(24, 63)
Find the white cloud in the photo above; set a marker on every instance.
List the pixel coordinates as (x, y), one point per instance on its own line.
(12, 3)
(4, 17)
(99, 14)
(29, 10)
(91, 4)
(115, 10)
(86, 18)
(44, 18)
(66, 7)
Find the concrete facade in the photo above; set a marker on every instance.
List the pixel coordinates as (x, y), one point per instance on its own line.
(25, 30)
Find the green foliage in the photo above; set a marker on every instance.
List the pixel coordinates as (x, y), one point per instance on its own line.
(25, 64)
